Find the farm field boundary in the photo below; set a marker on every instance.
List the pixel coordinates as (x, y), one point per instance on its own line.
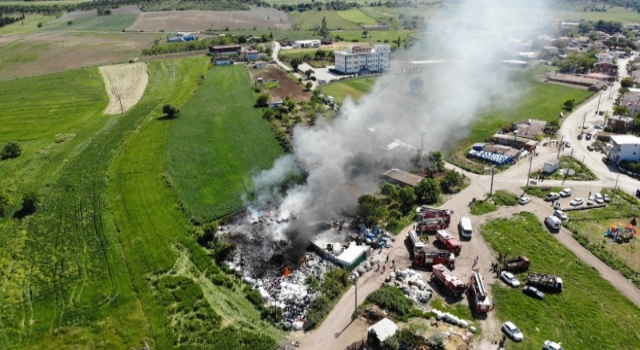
(125, 84)
(217, 141)
(258, 17)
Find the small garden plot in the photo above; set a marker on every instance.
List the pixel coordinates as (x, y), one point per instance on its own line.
(570, 169)
(279, 84)
(541, 191)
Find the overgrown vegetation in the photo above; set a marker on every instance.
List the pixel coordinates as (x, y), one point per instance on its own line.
(491, 204)
(580, 171)
(11, 149)
(590, 226)
(335, 283)
(541, 191)
(585, 291)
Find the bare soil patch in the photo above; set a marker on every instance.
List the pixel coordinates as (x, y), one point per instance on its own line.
(125, 84)
(287, 86)
(261, 18)
(49, 52)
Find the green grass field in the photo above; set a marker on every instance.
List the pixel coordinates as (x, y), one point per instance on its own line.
(108, 260)
(617, 14)
(111, 23)
(312, 20)
(356, 16)
(356, 88)
(374, 36)
(592, 224)
(30, 24)
(48, 122)
(588, 314)
(217, 141)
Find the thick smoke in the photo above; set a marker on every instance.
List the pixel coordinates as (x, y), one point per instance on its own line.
(345, 157)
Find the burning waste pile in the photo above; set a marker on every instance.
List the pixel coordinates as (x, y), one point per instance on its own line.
(270, 258)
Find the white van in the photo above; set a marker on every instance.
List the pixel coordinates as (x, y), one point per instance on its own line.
(466, 230)
(553, 222)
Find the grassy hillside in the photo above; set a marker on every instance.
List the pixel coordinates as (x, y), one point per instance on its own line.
(356, 16)
(618, 14)
(217, 141)
(108, 260)
(49, 116)
(313, 19)
(589, 314)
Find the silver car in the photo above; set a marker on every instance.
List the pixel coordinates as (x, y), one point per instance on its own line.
(512, 331)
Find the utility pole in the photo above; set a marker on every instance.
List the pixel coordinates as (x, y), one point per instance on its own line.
(356, 294)
(584, 118)
(529, 173)
(568, 166)
(598, 109)
(492, 172)
(421, 146)
(560, 146)
(615, 188)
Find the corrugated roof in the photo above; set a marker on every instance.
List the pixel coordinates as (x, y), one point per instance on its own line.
(403, 176)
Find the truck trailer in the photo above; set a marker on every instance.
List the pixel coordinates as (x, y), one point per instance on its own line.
(479, 295)
(448, 283)
(434, 257)
(545, 282)
(517, 264)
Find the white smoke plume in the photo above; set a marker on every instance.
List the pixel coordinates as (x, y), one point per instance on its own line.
(344, 158)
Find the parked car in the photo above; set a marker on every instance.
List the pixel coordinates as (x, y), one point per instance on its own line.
(566, 192)
(524, 200)
(576, 201)
(560, 215)
(586, 126)
(590, 148)
(599, 126)
(533, 292)
(551, 345)
(599, 199)
(590, 200)
(553, 222)
(579, 136)
(606, 198)
(588, 136)
(509, 279)
(512, 331)
(552, 196)
(567, 144)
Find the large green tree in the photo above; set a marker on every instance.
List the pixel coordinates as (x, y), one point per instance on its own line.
(428, 191)
(407, 198)
(450, 181)
(371, 209)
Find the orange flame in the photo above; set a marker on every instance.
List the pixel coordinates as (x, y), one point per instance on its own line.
(286, 272)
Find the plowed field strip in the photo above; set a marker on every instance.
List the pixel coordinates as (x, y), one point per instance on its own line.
(125, 84)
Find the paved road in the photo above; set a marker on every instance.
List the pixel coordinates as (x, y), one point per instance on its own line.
(338, 320)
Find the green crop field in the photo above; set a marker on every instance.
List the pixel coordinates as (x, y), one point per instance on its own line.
(46, 115)
(29, 24)
(616, 14)
(356, 16)
(112, 23)
(217, 141)
(108, 260)
(589, 314)
(356, 88)
(313, 19)
(374, 36)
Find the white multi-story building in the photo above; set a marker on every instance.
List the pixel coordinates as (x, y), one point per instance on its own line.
(358, 58)
(624, 147)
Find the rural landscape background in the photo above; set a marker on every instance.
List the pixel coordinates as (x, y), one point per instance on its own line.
(116, 248)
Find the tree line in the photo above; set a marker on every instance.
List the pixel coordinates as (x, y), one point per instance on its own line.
(6, 20)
